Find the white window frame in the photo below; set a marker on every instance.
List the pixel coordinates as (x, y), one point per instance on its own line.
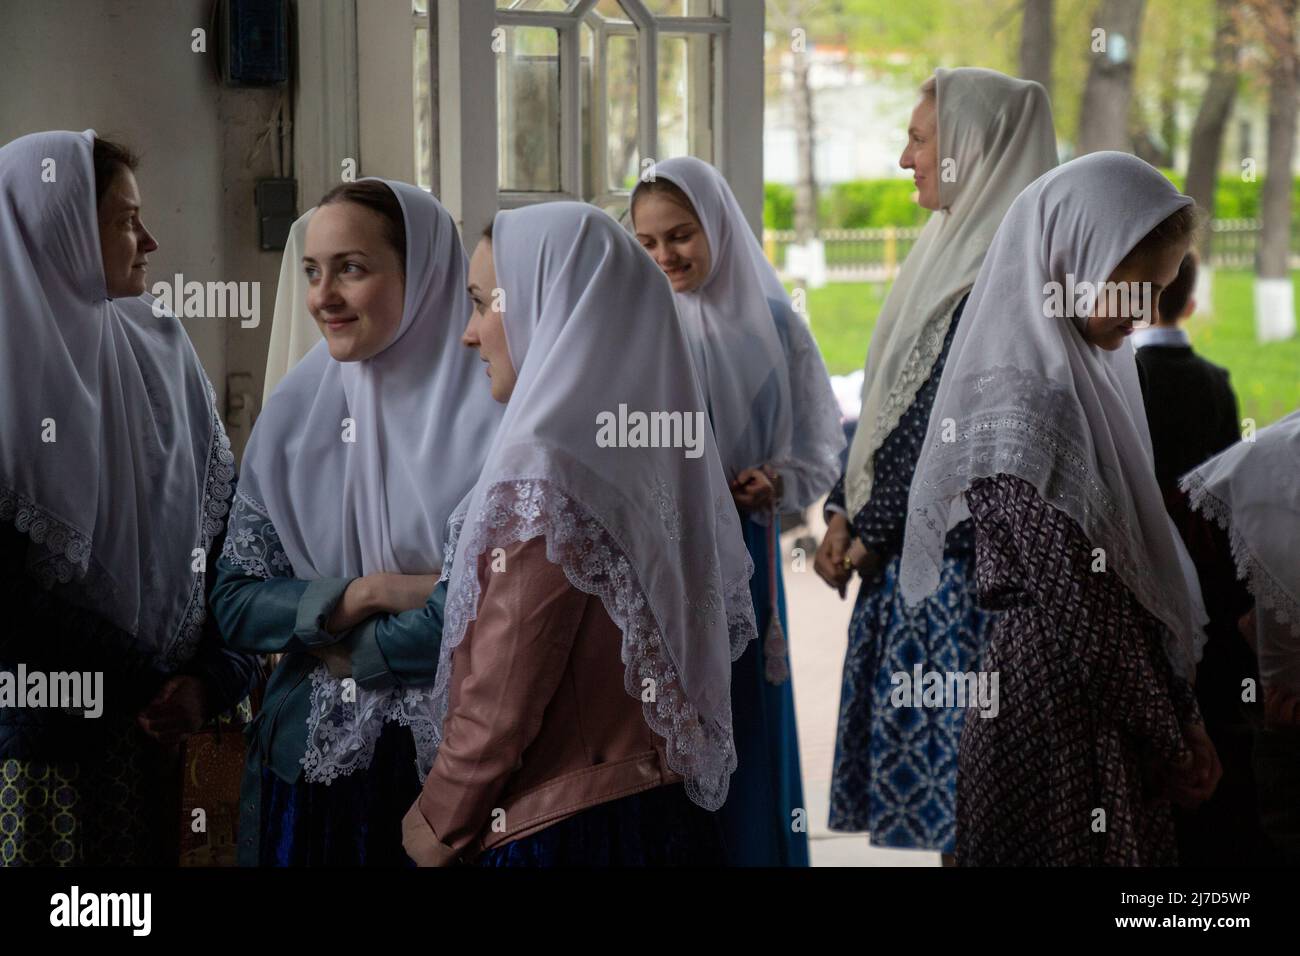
(465, 80)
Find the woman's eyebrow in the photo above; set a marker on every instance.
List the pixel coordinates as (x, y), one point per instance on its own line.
(340, 255)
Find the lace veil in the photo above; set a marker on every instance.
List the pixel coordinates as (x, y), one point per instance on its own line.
(1253, 490)
(769, 397)
(314, 504)
(113, 461)
(1024, 394)
(995, 138)
(651, 530)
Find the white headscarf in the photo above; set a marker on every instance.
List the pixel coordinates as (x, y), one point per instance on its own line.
(768, 406)
(1025, 395)
(1253, 490)
(651, 531)
(112, 458)
(422, 425)
(996, 137)
(293, 331)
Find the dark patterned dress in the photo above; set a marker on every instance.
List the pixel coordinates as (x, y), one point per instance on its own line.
(1090, 710)
(895, 772)
(90, 792)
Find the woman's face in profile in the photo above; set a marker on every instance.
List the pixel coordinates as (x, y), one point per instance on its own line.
(921, 155)
(355, 283)
(1113, 317)
(487, 328)
(124, 242)
(674, 238)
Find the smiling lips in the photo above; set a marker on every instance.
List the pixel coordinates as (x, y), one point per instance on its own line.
(335, 324)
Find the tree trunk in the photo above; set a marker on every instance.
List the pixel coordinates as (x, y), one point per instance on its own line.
(1037, 37)
(1275, 196)
(1103, 116)
(805, 192)
(1205, 150)
(1274, 294)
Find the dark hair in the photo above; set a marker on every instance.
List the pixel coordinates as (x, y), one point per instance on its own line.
(109, 159)
(487, 230)
(376, 197)
(663, 187)
(1178, 227)
(1174, 299)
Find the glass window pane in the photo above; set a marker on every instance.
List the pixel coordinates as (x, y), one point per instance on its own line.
(686, 96)
(528, 110)
(680, 8)
(423, 112)
(547, 6)
(611, 10)
(621, 111)
(420, 7)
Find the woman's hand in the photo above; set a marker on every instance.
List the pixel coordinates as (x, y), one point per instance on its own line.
(1281, 709)
(362, 598)
(396, 593)
(1192, 783)
(1246, 627)
(865, 561)
(753, 490)
(421, 843)
(336, 658)
(829, 562)
(179, 709)
(380, 593)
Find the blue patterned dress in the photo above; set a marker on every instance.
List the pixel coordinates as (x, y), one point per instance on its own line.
(764, 820)
(895, 772)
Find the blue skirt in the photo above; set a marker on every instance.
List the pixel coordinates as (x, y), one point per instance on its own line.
(659, 827)
(764, 820)
(354, 821)
(895, 773)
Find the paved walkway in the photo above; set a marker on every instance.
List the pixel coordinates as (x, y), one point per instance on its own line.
(819, 624)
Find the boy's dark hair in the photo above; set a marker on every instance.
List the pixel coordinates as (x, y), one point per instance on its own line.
(109, 158)
(1173, 300)
(377, 197)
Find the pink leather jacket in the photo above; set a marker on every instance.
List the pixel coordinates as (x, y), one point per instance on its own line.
(539, 726)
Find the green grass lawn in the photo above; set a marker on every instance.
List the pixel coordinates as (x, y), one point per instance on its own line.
(1266, 377)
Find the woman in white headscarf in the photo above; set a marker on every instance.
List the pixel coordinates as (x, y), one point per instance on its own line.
(975, 140)
(1039, 433)
(115, 474)
(293, 330)
(337, 530)
(1253, 492)
(777, 425)
(598, 593)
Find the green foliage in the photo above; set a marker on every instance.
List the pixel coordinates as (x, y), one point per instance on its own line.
(876, 203)
(778, 206)
(871, 204)
(1264, 377)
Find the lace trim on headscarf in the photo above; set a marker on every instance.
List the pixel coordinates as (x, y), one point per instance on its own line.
(344, 720)
(1027, 438)
(916, 371)
(702, 751)
(63, 553)
(1267, 590)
